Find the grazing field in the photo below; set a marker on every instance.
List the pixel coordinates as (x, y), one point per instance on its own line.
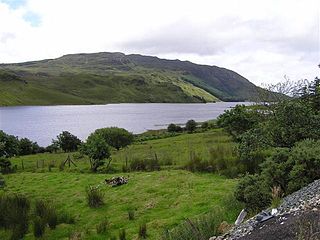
(160, 199)
(172, 152)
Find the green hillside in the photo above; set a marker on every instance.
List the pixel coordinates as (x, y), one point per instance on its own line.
(117, 78)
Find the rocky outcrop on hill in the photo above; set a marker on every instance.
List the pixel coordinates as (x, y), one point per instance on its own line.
(298, 217)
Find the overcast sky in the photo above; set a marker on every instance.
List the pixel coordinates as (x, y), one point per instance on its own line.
(263, 40)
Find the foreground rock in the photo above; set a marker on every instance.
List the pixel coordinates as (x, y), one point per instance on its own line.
(117, 181)
(298, 217)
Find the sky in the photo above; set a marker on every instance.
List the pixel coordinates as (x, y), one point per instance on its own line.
(262, 40)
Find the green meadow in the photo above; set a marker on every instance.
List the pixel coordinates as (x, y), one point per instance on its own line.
(161, 199)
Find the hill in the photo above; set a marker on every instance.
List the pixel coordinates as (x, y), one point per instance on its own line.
(100, 78)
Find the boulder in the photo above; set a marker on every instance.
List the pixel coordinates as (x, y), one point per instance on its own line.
(117, 181)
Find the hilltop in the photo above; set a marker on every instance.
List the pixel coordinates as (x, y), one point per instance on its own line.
(100, 78)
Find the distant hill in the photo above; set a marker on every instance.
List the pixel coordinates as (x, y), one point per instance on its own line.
(117, 78)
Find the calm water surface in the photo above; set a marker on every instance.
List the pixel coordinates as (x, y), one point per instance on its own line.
(43, 123)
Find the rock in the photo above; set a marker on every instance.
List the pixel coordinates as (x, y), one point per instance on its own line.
(117, 181)
(241, 217)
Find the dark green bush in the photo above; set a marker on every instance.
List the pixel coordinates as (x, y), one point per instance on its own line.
(174, 128)
(253, 192)
(191, 126)
(205, 125)
(2, 181)
(6, 166)
(94, 196)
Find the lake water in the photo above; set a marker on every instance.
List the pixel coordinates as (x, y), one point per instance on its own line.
(43, 123)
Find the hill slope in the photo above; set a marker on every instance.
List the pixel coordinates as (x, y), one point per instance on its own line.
(115, 78)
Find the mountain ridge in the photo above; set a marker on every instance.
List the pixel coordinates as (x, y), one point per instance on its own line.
(114, 77)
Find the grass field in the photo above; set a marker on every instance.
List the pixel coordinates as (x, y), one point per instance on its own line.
(173, 150)
(161, 199)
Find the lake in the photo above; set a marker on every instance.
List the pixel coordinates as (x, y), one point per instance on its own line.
(43, 123)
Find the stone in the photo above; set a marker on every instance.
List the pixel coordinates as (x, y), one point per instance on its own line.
(241, 217)
(117, 181)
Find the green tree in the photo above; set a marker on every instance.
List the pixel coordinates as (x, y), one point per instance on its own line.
(9, 145)
(27, 147)
(191, 125)
(238, 120)
(68, 142)
(174, 128)
(116, 137)
(97, 149)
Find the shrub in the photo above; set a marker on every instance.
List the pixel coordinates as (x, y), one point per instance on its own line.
(38, 227)
(102, 226)
(122, 234)
(305, 158)
(52, 218)
(253, 192)
(174, 128)
(94, 196)
(143, 231)
(205, 125)
(191, 125)
(9, 145)
(137, 164)
(5, 166)
(196, 164)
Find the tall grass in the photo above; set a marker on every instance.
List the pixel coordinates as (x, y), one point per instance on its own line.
(14, 211)
(94, 196)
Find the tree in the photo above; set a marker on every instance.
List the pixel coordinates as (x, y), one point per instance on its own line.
(116, 137)
(9, 145)
(191, 125)
(97, 149)
(27, 147)
(68, 142)
(238, 120)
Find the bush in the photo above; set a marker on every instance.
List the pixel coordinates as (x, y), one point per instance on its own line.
(143, 231)
(174, 128)
(305, 158)
(102, 226)
(94, 196)
(6, 166)
(9, 145)
(191, 125)
(116, 137)
(148, 164)
(38, 227)
(253, 192)
(122, 234)
(196, 164)
(205, 125)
